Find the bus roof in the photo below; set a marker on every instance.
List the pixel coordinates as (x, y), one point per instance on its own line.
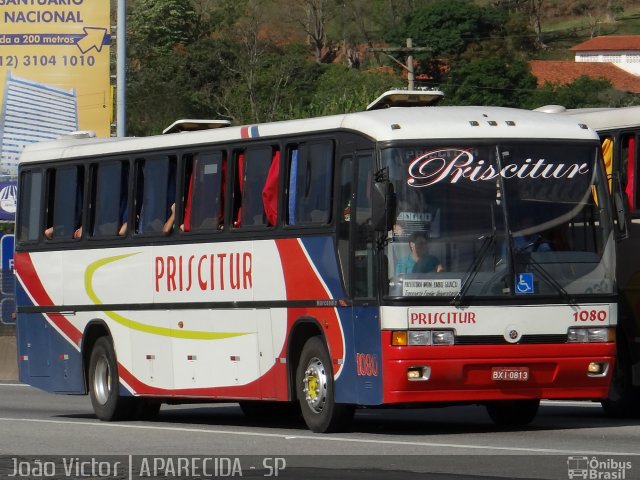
(390, 124)
(607, 118)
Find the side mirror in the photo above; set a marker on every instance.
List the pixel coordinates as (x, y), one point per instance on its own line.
(383, 206)
(621, 215)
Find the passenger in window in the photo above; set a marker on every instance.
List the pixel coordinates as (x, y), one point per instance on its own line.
(418, 260)
(124, 213)
(48, 233)
(154, 204)
(204, 202)
(168, 225)
(530, 242)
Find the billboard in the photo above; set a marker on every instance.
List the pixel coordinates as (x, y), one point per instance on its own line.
(59, 48)
(8, 196)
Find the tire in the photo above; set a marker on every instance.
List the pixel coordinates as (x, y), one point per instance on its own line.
(104, 384)
(515, 413)
(624, 398)
(314, 388)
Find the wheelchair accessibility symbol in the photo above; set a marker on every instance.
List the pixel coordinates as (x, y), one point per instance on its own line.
(524, 283)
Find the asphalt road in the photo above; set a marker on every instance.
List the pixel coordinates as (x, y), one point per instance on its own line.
(567, 438)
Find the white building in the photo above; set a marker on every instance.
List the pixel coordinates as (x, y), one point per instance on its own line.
(32, 112)
(621, 50)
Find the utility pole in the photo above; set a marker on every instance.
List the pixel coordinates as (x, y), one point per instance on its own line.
(121, 68)
(409, 49)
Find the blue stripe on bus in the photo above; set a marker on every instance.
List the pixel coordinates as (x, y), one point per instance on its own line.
(322, 253)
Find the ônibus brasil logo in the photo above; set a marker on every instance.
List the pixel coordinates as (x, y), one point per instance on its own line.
(597, 469)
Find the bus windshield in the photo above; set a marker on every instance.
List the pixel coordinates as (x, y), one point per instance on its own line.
(517, 219)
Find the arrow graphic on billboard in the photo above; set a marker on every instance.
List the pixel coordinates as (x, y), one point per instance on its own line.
(93, 38)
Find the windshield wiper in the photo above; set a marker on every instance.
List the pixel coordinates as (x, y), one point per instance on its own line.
(474, 268)
(540, 270)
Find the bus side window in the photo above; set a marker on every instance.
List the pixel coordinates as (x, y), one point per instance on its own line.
(109, 192)
(256, 169)
(607, 156)
(628, 168)
(155, 193)
(363, 264)
(310, 184)
(64, 202)
(31, 195)
(204, 203)
(270, 190)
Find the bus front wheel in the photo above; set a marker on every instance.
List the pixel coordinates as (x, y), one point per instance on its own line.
(513, 413)
(104, 384)
(624, 397)
(314, 387)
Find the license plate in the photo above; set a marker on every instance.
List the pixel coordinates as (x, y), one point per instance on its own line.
(510, 374)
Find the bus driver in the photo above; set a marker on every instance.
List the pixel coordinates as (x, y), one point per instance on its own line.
(418, 260)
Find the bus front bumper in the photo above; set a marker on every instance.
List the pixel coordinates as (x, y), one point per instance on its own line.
(424, 374)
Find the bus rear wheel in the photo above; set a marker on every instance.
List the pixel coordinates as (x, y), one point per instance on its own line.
(513, 413)
(314, 387)
(104, 384)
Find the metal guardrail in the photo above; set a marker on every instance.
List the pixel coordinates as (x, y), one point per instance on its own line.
(7, 302)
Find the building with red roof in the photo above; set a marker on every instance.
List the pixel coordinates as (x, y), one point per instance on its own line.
(621, 50)
(615, 58)
(563, 72)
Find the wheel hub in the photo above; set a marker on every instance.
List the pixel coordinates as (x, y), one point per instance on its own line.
(102, 381)
(315, 385)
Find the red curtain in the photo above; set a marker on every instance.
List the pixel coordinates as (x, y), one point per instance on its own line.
(187, 208)
(270, 190)
(631, 164)
(238, 220)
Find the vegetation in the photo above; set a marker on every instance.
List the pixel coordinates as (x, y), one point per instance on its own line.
(263, 60)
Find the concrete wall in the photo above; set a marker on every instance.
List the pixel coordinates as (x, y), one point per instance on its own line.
(8, 359)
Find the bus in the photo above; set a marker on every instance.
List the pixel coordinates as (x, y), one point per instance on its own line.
(408, 256)
(619, 130)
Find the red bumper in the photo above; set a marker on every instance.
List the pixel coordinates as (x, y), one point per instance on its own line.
(464, 373)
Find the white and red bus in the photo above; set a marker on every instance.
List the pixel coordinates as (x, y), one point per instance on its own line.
(407, 256)
(619, 130)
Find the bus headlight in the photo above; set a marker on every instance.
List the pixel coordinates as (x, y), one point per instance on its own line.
(400, 338)
(442, 337)
(419, 337)
(590, 335)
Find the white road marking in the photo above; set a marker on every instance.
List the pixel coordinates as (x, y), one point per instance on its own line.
(570, 403)
(323, 438)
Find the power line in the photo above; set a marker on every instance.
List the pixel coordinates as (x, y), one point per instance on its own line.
(408, 49)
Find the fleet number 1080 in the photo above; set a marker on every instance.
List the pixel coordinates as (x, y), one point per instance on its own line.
(590, 316)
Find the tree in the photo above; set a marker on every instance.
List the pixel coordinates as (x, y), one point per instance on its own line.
(614, 8)
(263, 78)
(448, 27)
(455, 29)
(341, 90)
(535, 13)
(158, 25)
(313, 16)
(490, 81)
(581, 93)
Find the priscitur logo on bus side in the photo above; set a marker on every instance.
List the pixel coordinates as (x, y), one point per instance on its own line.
(454, 164)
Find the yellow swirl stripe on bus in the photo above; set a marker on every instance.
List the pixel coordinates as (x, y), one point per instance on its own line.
(132, 324)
